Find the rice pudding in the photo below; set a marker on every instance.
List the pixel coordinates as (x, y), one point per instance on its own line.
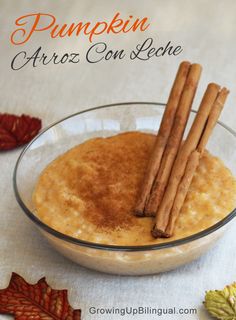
(90, 192)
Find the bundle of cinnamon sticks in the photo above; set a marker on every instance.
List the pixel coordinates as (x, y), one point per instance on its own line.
(173, 161)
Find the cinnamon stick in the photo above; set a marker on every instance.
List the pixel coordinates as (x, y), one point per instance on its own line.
(193, 160)
(179, 166)
(174, 140)
(213, 117)
(183, 188)
(162, 137)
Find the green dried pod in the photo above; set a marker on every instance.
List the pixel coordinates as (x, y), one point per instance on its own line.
(221, 304)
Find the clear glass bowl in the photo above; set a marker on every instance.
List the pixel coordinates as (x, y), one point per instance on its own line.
(106, 121)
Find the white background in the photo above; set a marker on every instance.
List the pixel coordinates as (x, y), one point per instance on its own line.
(206, 30)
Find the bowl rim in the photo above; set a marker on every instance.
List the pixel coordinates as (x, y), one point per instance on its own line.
(106, 247)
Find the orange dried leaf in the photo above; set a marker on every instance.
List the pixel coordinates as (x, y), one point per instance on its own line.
(39, 301)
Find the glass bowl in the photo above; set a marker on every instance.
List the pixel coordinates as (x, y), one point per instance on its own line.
(106, 121)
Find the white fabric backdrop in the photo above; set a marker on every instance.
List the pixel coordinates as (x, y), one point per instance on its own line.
(206, 30)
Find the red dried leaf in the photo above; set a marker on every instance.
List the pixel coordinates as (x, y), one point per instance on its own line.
(17, 130)
(39, 301)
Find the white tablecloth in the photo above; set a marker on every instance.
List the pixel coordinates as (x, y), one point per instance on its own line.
(206, 30)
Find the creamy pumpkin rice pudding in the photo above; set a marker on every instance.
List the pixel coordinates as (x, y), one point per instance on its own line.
(136, 197)
(90, 192)
(136, 189)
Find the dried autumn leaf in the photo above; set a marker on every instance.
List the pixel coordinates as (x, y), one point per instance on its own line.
(221, 304)
(39, 301)
(17, 130)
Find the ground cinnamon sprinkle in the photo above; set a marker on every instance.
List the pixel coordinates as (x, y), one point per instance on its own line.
(99, 180)
(109, 192)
